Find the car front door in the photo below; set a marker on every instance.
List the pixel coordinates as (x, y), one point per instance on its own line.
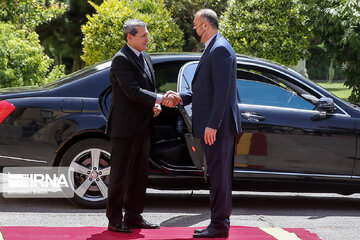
(283, 133)
(284, 136)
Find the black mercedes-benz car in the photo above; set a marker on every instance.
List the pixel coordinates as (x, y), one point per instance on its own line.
(296, 135)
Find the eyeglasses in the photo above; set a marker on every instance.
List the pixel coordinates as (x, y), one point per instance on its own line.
(199, 25)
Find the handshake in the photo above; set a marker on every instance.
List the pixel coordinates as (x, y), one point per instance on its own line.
(171, 99)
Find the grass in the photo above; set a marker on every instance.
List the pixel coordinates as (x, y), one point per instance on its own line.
(338, 89)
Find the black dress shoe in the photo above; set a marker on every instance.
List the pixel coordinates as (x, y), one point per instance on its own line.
(211, 233)
(143, 224)
(119, 228)
(199, 230)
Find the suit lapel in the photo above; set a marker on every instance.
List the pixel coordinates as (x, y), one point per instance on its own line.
(131, 56)
(205, 54)
(136, 61)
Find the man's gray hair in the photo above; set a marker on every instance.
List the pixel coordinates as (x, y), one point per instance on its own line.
(209, 16)
(130, 27)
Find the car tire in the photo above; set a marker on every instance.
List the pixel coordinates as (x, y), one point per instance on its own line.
(88, 175)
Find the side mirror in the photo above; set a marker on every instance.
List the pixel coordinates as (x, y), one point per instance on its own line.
(325, 104)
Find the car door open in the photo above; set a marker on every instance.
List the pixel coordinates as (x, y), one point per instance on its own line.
(194, 144)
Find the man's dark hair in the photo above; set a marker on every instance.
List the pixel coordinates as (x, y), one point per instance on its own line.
(209, 16)
(130, 27)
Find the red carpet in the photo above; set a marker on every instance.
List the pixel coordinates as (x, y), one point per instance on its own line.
(164, 233)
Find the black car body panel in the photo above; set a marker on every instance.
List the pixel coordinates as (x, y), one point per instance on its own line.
(288, 142)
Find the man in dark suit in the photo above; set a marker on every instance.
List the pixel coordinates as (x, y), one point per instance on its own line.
(134, 104)
(215, 117)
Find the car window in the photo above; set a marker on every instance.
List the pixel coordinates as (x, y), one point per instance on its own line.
(260, 93)
(166, 76)
(187, 76)
(267, 88)
(259, 86)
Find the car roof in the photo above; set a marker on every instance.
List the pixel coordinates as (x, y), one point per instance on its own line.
(156, 58)
(159, 57)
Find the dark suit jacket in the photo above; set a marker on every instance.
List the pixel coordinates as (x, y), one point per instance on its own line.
(214, 94)
(133, 95)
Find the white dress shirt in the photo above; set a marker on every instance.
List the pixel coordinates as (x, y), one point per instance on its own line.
(208, 41)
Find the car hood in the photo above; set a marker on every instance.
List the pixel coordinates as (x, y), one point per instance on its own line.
(17, 92)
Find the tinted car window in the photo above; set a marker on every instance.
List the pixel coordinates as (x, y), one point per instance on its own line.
(166, 76)
(187, 77)
(259, 87)
(260, 93)
(264, 87)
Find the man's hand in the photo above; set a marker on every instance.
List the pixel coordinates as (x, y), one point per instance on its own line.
(171, 99)
(157, 109)
(210, 136)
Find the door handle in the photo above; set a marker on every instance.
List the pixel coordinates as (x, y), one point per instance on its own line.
(252, 116)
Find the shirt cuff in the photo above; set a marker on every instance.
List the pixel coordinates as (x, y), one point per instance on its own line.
(159, 98)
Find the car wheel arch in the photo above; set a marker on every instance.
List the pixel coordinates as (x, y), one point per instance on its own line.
(64, 146)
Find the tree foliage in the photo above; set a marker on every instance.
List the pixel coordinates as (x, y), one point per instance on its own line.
(62, 36)
(183, 12)
(30, 13)
(271, 29)
(22, 59)
(103, 32)
(336, 24)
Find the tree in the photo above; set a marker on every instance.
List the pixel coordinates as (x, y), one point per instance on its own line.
(22, 59)
(336, 24)
(183, 12)
(103, 32)
(271, 29)
(62, 36)
(30, 13)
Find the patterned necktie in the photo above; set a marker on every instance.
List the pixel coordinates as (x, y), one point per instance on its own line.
(142, 62)
(145, 67)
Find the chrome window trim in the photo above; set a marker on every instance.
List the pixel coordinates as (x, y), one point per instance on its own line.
(292, 174)
(103, 66)
(253, 106)
(23, 159)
